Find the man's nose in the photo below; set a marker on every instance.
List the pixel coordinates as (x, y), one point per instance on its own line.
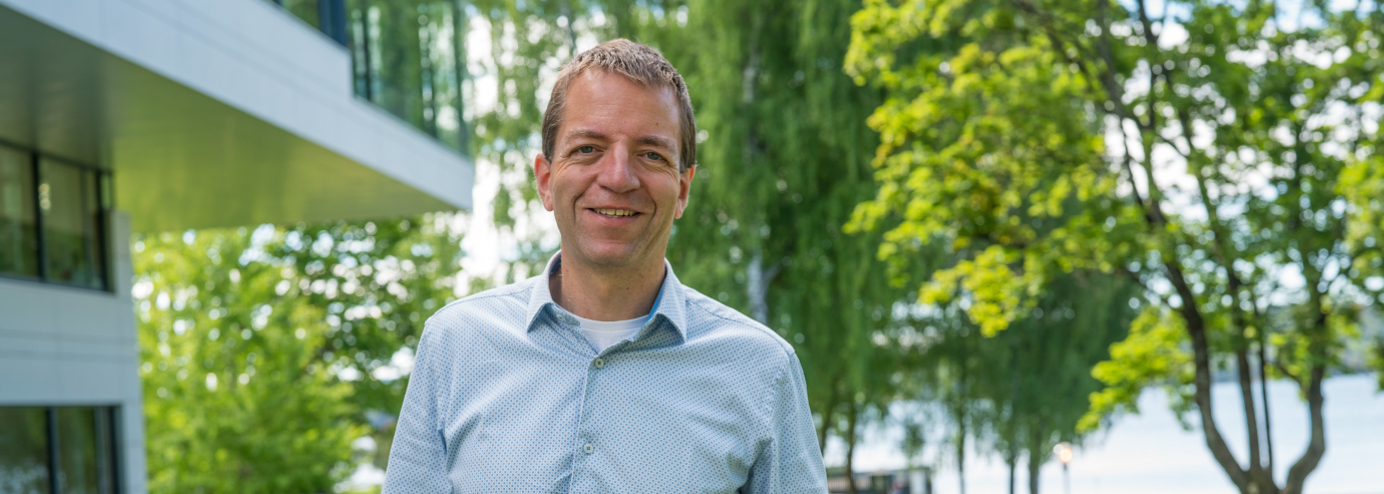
(617, 171)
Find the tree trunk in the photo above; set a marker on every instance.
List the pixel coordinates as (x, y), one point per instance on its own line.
(959, 412)
(368, 73)
(1316, 444)
(571, 31)
(828, 414)
(1035, 467)
(850, 447)
(1242, 369)
(961, 455)
(427, 75)
(1201, 358)
(757, 286)
(1264, 393)
(1196, 332)
(1012, 462)
(460, 26)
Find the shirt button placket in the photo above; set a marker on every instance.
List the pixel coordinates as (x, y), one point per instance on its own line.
(587, 446)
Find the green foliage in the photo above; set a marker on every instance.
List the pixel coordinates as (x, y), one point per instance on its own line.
(262, 350)
(987, 279)
(962, 159)
(1362, 183)
(238, 404)
(1153, 354)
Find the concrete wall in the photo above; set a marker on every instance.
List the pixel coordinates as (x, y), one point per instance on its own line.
(62, 346)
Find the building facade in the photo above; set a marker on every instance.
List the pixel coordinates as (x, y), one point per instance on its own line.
(135, 116)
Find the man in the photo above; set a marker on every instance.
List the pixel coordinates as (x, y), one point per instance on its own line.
(604, 373)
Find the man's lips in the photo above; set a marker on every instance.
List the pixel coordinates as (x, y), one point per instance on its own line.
(614, 214)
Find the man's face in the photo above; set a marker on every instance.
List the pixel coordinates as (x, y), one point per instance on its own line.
(613, 184)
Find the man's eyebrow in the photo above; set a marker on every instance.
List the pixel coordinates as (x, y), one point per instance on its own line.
(660, 141)
(648, 140)
(589, 134)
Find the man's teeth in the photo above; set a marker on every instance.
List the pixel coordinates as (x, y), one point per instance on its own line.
(615, 212)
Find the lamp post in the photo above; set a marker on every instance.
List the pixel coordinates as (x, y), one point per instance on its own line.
(1064, 453)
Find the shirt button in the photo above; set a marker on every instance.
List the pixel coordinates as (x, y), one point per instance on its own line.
(599, 363)
(588, 448)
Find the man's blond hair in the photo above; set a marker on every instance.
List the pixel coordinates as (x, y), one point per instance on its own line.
(635, 62)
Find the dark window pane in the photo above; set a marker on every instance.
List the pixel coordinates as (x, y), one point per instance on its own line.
(96, 229)
(18, 230)
(24, 455)
(107, 197)
(79, 451)
(61, 192)
(106, 450)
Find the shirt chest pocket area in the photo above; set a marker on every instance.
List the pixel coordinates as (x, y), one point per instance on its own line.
(509, 434)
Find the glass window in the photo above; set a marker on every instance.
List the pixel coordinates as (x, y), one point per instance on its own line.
(85, 452)
(94, 207)
(405, 58)
(67, 198)
(84, 448)
(18, 228)
(24, 457)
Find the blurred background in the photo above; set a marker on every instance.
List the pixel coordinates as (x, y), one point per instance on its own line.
(1019, 245)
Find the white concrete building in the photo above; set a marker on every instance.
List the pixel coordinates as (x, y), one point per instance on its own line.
(120, 116)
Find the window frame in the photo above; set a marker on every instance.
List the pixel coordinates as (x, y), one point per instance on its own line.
(112, 458)
(97, 244)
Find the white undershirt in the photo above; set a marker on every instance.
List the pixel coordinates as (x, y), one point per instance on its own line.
(603, 334)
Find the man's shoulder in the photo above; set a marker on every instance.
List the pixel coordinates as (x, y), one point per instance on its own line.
(490, 306)
(709, 318)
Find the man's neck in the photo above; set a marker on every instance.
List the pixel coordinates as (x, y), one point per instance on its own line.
(603, 295)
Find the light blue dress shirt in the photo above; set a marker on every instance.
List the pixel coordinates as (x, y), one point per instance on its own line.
(508, 396)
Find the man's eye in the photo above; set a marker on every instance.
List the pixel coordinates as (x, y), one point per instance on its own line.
(653, 156)
(586, 149)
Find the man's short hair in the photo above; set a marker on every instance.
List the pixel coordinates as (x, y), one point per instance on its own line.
(638, 63)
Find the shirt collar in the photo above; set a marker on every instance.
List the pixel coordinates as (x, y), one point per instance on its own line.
(668, 306)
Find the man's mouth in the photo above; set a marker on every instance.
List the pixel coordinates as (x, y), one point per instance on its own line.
(615, 213)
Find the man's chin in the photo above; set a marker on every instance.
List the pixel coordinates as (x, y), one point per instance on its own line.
(610, 255)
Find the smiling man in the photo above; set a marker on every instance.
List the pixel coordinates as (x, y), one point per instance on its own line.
(604, 374)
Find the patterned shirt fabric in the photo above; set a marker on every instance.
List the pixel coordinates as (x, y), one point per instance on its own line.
(508, 396)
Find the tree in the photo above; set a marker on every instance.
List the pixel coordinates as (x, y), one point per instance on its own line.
(1018, 393)
(263, 350)
(1196, 151)
(1050, 353)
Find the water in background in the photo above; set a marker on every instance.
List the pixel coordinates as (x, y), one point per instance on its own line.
(1151, 453)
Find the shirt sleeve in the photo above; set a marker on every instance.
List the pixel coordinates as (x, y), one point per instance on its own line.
(791, 462)
(418, 455)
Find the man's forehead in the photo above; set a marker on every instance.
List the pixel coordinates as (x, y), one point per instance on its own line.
(601, 85)
(599, 81)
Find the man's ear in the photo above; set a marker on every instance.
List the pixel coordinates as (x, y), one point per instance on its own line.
(543, 174)
(684, 189)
